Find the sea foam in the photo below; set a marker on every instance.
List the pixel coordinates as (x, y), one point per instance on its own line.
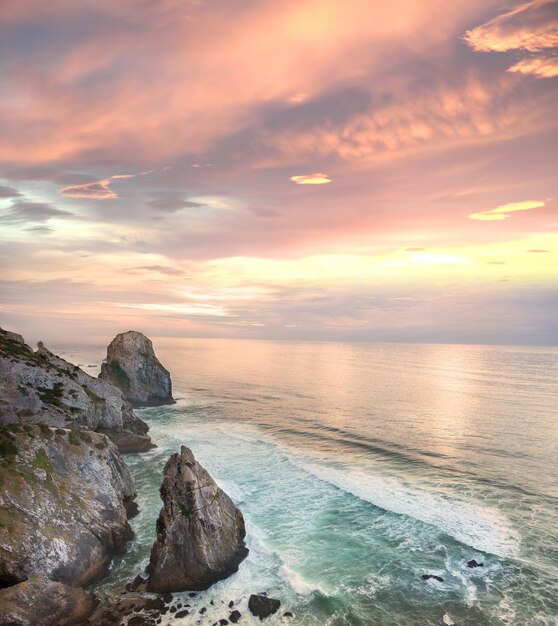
(484, 528)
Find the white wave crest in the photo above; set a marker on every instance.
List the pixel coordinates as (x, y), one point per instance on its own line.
(297, 583)
(483, 528)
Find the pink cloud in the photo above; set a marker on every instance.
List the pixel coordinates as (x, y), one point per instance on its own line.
(532, 26)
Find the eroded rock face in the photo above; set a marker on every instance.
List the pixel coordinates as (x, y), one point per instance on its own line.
(132, 366)
(64, 496)
(200, 532)
(42, 602)
(41, 387)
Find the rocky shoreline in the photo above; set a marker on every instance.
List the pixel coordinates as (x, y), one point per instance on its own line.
(66, 494)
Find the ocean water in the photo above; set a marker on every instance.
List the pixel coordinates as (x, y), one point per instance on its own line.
(360, 467)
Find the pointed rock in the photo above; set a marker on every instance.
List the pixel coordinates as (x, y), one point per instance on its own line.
(200, 532)
(132, 366)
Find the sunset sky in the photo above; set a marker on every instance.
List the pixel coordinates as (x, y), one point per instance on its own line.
(309, 169)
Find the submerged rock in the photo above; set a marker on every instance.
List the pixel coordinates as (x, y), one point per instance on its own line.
(132, 366)
(262, 606)
(42, 602)
(40, 387)
(64, 496)
(429, 576)
(200, 532)
(473, 563)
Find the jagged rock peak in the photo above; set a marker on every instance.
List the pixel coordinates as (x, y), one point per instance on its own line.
(200, 531)
(132, 366)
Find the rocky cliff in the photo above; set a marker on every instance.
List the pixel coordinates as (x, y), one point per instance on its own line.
(42, 602)
(200, 532)
(132, 366)
(64, 496)
(41, 387)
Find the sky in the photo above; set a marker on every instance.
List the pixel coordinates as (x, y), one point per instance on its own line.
(350, 170)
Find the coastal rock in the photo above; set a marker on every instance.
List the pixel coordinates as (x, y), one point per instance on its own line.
(200, 532)
(433, 576)
(40, 387)
(64, 496)
(42, 602)
(473, 563)
(262, 606)
(132, 366)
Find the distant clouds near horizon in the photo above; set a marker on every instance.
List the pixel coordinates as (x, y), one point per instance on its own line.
(319, 170)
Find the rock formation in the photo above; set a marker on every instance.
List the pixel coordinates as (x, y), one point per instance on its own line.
(262, 606)
(42, 602)
(132, 366)
(40, 387)
(200, 532)
(64, 496)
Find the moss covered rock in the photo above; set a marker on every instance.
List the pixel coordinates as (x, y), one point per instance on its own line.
(38, 386)
(132, 366)
(64, 497)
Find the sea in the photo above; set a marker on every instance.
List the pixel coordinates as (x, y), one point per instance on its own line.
(359, 468)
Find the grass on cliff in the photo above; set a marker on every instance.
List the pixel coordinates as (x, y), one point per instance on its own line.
(119, 375)
(18, 352)
(15, 473)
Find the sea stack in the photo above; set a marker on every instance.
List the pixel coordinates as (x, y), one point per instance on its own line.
(132, 366)
(200, 532)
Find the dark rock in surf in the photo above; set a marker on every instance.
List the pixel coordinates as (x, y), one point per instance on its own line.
(473, 563)
(200, 532)
(261, 606)
(235, 616)
(132, 366)
(433, 576)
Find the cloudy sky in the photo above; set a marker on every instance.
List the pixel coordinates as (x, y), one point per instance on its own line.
(318, 169)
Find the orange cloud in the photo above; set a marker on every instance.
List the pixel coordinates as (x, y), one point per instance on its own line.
(532, 26)
(311, 179)
(503, 212)
(412, 250)
(99, 190)
(541, 67)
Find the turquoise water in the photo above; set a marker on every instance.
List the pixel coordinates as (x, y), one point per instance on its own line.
(361, 467)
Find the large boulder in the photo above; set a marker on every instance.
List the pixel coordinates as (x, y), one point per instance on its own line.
(42, 602)
(262, 606)
(40, 387)
(200, 532)
(64, 502)
(132, 366)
